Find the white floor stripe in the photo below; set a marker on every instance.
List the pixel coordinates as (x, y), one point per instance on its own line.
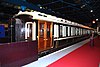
(48, 59)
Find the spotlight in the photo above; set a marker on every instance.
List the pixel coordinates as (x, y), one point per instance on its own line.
(91, 11)
(93, 21)
(96, 19)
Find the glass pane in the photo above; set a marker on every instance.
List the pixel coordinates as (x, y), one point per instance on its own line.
(56, 31)
(48, 30)
(20, 32)
(61, 30)
(66, 31)
(30, 30)
(41, 29)
(69, 31)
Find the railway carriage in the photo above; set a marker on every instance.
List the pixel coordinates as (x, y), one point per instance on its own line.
(39, 34)
(49, 31)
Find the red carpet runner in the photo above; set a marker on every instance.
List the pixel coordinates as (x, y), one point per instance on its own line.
(85, 56)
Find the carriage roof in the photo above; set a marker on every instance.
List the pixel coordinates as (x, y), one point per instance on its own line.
(50, 18)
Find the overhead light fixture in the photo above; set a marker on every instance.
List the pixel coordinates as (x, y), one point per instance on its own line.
(91, 11)
(93, 21)
(83, 6)
(40, 7)
(97, 19)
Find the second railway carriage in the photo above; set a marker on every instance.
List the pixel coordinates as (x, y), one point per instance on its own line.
(49, 31)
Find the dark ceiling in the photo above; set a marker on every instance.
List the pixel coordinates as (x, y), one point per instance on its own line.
(7, 11)
(74, 10)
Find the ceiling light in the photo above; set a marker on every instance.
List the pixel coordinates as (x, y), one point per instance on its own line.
(93, 21)
(82, 6)
(40, 7)
(91, 11)
(96, 19)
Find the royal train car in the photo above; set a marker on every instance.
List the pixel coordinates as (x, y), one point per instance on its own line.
(50, 32)
(34, 34)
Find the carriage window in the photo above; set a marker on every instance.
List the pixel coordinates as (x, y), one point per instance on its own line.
(30, 30)
(61, 30)
(72, 31)
(19, 30)
(41, 29)
(66, 31)
(56, 31)
(81, 31)
(48, 30)
(88, 31)
(77, 31)
(69, 31)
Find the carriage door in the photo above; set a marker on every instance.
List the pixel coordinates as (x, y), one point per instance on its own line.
(30, 31)
(44, 36)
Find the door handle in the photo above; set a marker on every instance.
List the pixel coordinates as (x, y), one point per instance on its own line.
(45, 39)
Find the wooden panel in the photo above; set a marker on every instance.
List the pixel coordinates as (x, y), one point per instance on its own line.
(41, 36)
(44, 35)
(41, 46)
(49, 35)
(48, 44)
